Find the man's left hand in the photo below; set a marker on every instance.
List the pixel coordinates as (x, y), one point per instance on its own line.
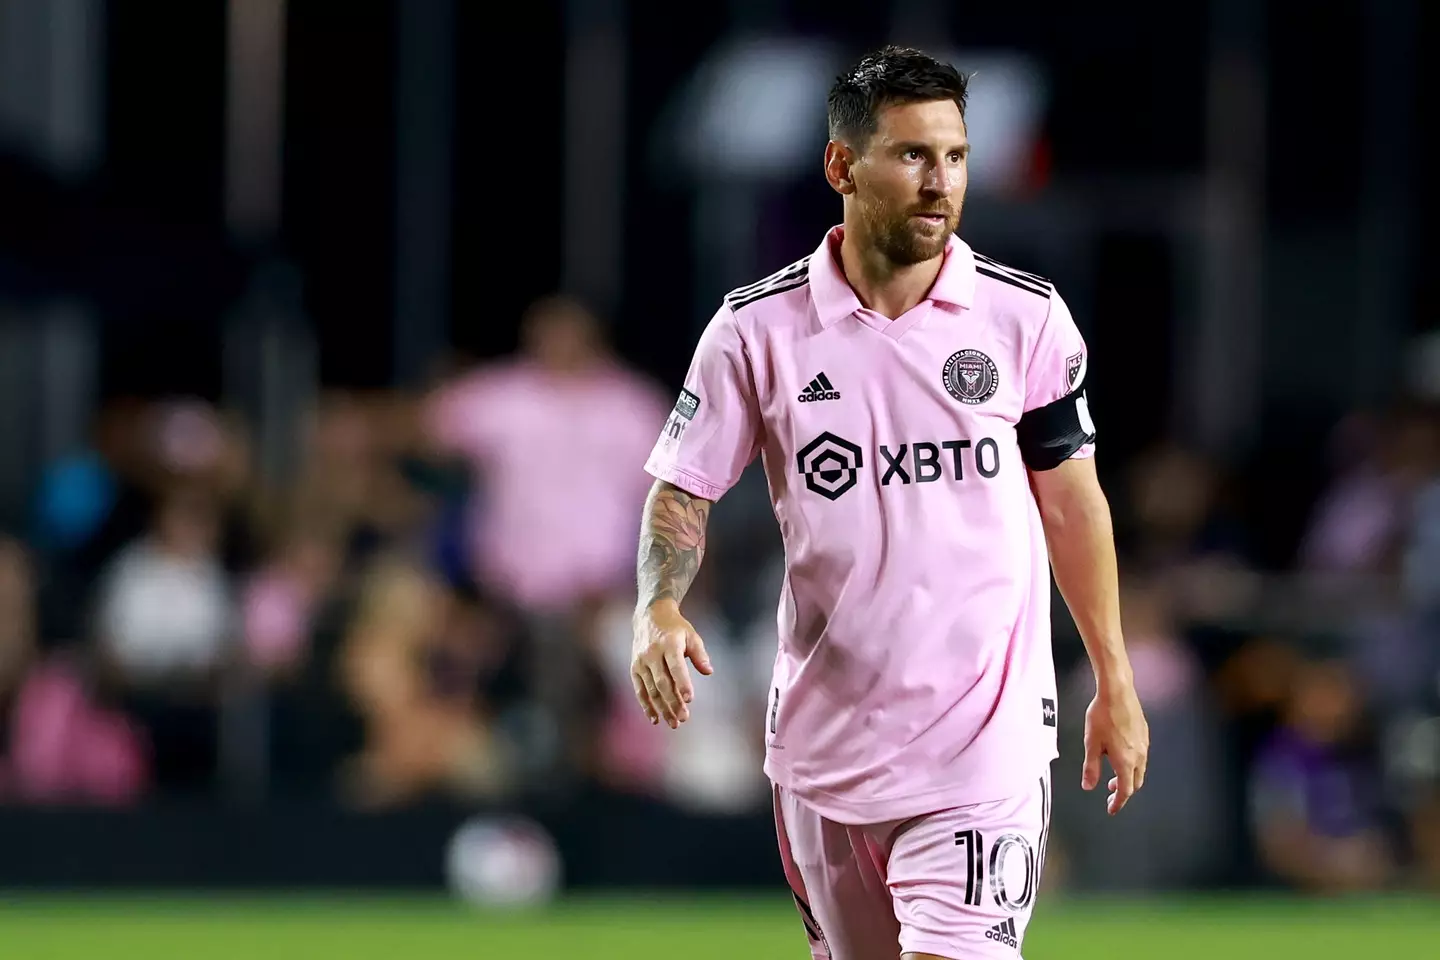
(1115, 727)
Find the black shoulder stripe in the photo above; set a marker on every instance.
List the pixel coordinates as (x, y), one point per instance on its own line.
(1013, 281)
(796, 269)
(742, 302)
(1006, 268)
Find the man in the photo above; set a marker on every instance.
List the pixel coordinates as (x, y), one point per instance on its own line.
(528, 426)
(920, 411)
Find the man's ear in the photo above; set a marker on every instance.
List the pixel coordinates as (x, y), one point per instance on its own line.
(838, 160)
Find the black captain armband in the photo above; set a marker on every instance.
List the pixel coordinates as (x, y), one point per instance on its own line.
(1051, 434)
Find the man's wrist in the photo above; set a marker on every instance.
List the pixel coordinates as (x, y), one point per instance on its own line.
(1112, 668)
(659, 605)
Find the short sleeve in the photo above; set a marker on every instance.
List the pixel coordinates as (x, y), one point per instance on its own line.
(713, 432)
(1056, 423)
(459, 418)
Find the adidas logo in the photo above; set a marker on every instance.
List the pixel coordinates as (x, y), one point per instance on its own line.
(1004, 933)
(817, 390)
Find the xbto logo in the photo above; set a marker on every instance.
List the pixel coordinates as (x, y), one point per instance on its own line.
(831, 465)
(925, 465)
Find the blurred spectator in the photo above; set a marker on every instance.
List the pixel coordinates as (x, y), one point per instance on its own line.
(714, 762)
(411, 664)
(165, 624)
(87, 506)
(557, 439)
(1170, 832)
(1180, 527)
(56, 744)
(351, 477)
(165, 608)
(1381, 465)
(282, 599)
(1315, 805)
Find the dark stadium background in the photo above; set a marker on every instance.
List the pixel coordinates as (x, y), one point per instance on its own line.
(1233, 196)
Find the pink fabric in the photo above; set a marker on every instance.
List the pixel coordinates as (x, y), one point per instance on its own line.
(562, 487)
(64, 749)
(914, 670)
(277, 619)
(958, 883)
(634, 750)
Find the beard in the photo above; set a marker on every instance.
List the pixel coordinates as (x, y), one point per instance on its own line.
(904, 240)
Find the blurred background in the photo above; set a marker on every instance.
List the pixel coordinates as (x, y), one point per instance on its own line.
(333, 339)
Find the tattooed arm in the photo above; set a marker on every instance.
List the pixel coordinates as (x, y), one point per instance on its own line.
(672, 544)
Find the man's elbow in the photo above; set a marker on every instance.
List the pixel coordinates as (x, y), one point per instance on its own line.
(1070, 496)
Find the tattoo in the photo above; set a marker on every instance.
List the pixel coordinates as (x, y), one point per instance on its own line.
(672, 544)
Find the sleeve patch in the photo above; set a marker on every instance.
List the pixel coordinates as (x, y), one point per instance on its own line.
(1075, 368)
(687, 405)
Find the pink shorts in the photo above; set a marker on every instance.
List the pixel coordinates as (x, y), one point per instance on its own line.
(959, 883)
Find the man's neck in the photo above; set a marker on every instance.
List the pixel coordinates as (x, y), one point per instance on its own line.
(889, 289)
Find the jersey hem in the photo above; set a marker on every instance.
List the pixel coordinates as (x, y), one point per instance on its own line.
(861, 812)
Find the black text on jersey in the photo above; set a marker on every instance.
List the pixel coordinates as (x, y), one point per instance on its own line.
(926, 463)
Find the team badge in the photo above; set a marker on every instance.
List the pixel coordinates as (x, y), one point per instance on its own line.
(971, 377)
(1074, 366)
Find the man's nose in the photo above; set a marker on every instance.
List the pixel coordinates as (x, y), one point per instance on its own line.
(940, 180)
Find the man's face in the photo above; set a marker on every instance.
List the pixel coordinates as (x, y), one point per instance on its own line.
(910, 180)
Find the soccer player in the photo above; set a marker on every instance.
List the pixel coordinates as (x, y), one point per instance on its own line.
(920, 411)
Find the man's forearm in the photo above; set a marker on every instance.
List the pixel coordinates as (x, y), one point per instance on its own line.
(1080, 536)
(672, 544)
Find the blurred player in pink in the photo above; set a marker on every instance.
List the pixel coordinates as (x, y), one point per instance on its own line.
(921, 414)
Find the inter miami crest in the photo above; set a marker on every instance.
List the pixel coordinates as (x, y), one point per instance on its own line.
(971, 377)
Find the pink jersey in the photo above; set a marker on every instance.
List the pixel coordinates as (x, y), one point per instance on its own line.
(914, 670)
(537, 534)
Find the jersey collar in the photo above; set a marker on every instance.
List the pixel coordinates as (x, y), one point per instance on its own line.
(835, 299)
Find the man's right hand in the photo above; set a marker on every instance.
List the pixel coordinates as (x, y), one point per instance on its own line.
(663, 641)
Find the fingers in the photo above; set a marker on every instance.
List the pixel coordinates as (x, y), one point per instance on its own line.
(679, 674)
(695, 650)
(652, 693)
(664, 689)
(660, 674)
(1090, 773)
(1124, 786)
(643, 695)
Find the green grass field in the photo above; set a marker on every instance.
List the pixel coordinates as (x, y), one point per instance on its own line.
(637, 927)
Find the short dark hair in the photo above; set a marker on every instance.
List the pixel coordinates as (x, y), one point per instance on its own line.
(889, 76)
